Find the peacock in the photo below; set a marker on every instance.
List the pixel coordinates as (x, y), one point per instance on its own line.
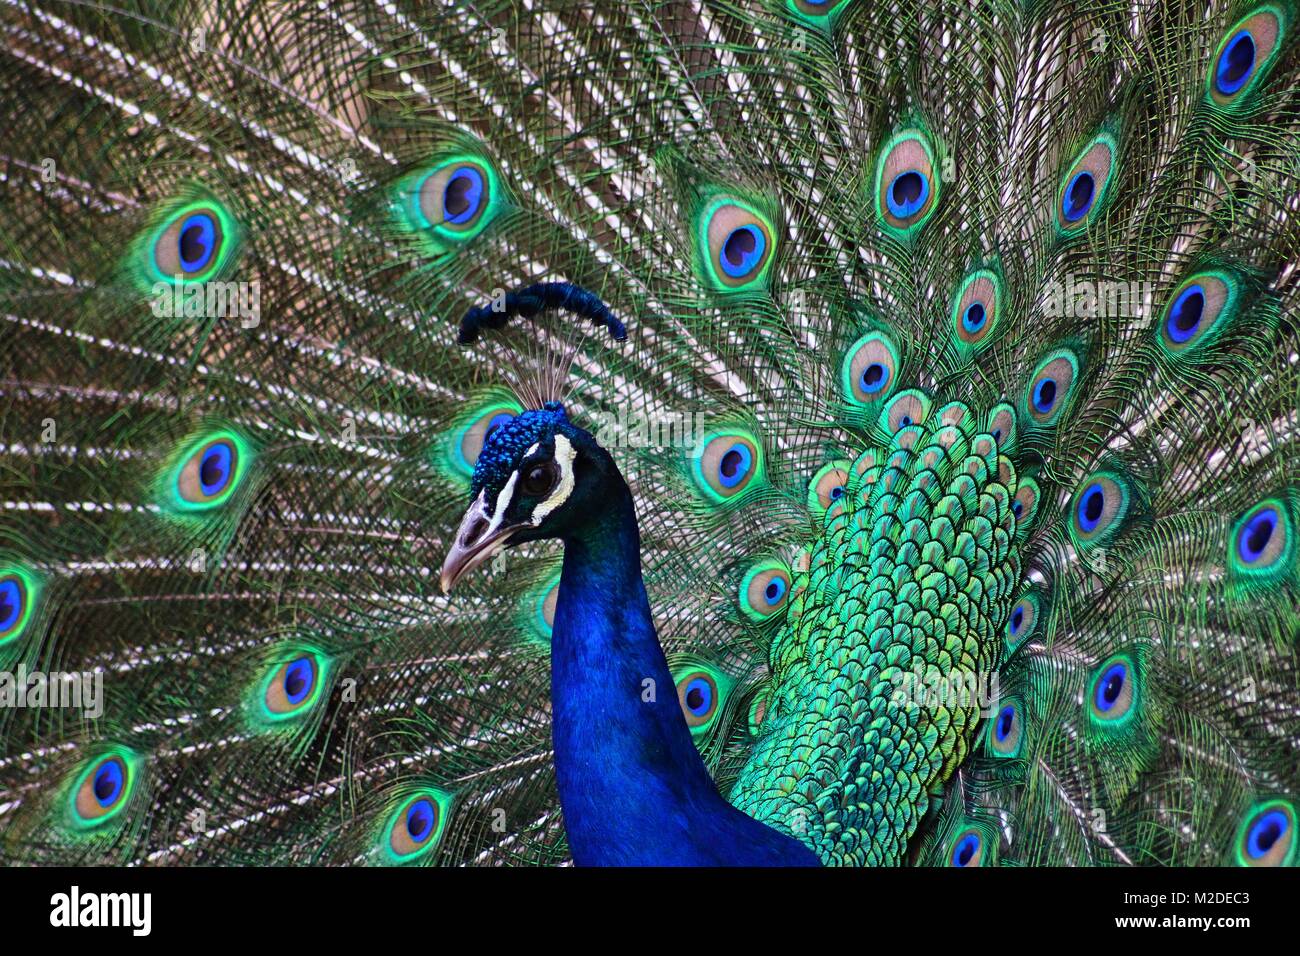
(674, 432)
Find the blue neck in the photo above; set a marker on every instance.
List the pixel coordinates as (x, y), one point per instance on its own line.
(632, 785)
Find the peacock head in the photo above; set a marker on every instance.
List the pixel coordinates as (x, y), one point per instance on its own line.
(538, 476)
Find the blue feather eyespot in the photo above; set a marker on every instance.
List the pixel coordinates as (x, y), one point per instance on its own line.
(1113, 692)
(1267, 835)
(1197, 311)
(967, 848)
(482, 417)
(907, 189)
(103, 788)
(1005, 731)
(727, 464)
(869, 368)
(1099, 508)
(908, 408)
(210, 472)
(1025, 504)
(1262, 543)
(975, 309)
(764, 590)
(18, 590)
(1002, 427)
(1050, 388)
(193, 243)
(1086, 185)
(1244, 55)
(457, 198)
(827, 486)
(1022, 620)
(699, 697)
(294, 686)
(416, 826)
(739, 244)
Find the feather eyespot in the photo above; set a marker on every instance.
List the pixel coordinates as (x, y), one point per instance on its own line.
(103, 789)
(1023, 620)
(869, 369)
(1262, 541)
(474, 427)
(17, 597)
(194, 243)
(757, 712)
(1050, 388)
(727, 464)
(1005, 731)
(975, 309)
(1244, 56)
(416, 827)
(293, 687)
(739, 243)
(908, 408)
(827, 486)
(817, 11)
(1086, 184)
(907, 189)
(209, 474)
(967, 848)
(1002, 427)
(1099, 508)
(1113, 692)
(457, 198)
(697, 693)
(1025, 504)
(764, 590)
(1267, 835)
(1197, 310)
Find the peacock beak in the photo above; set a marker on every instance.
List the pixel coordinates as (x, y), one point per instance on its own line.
(478, 539)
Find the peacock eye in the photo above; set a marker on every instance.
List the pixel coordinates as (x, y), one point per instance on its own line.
(1099, 507)
(697, 693)
(416, 827)
(1005, 732)
(192, 245)
(13, 605)
(727, 464)
(456, 197)
(1262, 539)
(869, 368)
(975, 308)
(764, 589)
(210, 473)
(1113, 690)
(102, 790)
(905, 409)
(739, 242)
(540, 479)
(967, 849)
(1086, 184)
(907, 190)
(827, 486)
(293, 687)
(1243, 56)
(1050, 388)
(1196, 310)
(1025, 504)
(1267, 835)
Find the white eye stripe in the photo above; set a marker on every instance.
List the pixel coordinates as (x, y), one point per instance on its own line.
(564, 455)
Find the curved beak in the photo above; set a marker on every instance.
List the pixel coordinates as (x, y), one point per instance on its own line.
(478, 539)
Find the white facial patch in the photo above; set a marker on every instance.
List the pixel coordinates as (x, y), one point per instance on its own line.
(564, 455)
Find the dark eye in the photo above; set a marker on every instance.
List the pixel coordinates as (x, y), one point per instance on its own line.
(540, 478)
